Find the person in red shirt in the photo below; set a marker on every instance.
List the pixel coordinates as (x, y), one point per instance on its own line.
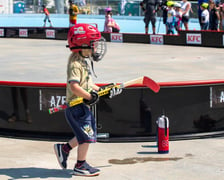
(47, 16)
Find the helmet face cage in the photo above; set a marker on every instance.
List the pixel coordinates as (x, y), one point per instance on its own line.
(98, 48)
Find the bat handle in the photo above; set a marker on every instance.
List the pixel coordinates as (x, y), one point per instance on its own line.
(56, 109)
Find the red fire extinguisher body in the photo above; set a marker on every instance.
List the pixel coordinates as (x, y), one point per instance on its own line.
(163, 134)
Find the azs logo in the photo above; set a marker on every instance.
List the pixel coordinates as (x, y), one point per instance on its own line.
(156, 39)
(50, 33)
(116, 37)
(193, 38)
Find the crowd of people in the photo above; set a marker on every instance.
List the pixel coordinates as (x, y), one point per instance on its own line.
(176, 15)
(211, 16)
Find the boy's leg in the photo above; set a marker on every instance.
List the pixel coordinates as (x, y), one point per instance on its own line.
(45, 19)
(82, 168)
(62, 151)
(73, 142)
(82, 151)
(48, 17)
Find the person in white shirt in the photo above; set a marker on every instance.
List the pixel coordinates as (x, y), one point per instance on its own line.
(185, 7)
(178, 19)
(204, 16)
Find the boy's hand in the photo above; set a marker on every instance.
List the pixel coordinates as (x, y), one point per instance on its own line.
(94, 99)
(114, 92)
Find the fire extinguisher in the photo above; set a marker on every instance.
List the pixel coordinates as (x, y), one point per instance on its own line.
(163, 134)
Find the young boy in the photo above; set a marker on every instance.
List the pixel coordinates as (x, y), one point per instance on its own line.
(85, 42)
(171, 18)
(204, 16)
(47, 16)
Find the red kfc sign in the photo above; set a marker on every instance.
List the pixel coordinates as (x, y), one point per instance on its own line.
(116, 37)
(193, 38)
(50, 33)
(23, 33)
(156, 39)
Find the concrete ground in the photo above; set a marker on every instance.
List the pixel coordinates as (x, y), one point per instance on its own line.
(200, 159)
(45, 61)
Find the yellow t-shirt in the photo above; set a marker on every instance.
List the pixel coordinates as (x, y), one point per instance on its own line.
(78, 70)
(73, 9)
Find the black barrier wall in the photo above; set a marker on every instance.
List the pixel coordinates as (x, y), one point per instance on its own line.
(186, 38)
(190, 109)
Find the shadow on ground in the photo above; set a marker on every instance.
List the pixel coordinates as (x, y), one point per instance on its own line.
(33, 172)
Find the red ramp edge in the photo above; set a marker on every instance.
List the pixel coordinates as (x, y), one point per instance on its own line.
(162, 84)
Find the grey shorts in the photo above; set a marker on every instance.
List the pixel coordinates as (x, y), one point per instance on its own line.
(149, 19)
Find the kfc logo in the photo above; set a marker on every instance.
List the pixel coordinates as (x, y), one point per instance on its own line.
(2, 34)
(156, 39)
(23, 33)
(193, 38)
(50, 33)
(116, 37)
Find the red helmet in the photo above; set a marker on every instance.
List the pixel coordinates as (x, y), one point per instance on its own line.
(85, 36)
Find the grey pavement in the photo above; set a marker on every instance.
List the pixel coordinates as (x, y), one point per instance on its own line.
(200, 159)
(45, 61)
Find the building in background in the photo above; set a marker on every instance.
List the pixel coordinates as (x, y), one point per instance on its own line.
(6, 6)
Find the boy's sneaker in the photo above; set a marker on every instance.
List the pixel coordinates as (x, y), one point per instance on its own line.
(86, 170)
(62, 156)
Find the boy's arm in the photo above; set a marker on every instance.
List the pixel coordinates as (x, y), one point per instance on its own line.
(88, 98)
(79, 91)
(95, 87)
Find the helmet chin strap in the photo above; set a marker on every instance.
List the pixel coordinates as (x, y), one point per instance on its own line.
(80, 53)
(91, 60)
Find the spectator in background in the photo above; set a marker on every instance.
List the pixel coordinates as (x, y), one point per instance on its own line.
(178, 19)
(123, 3)
(150, 14)
(110, 24)
(82, 3)
(73, 12)
(200, 10)
(171, 16)
(204, 16)
(47, 16)
(185, 7)
(221, 10)
(214, 17)
(164, 8)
